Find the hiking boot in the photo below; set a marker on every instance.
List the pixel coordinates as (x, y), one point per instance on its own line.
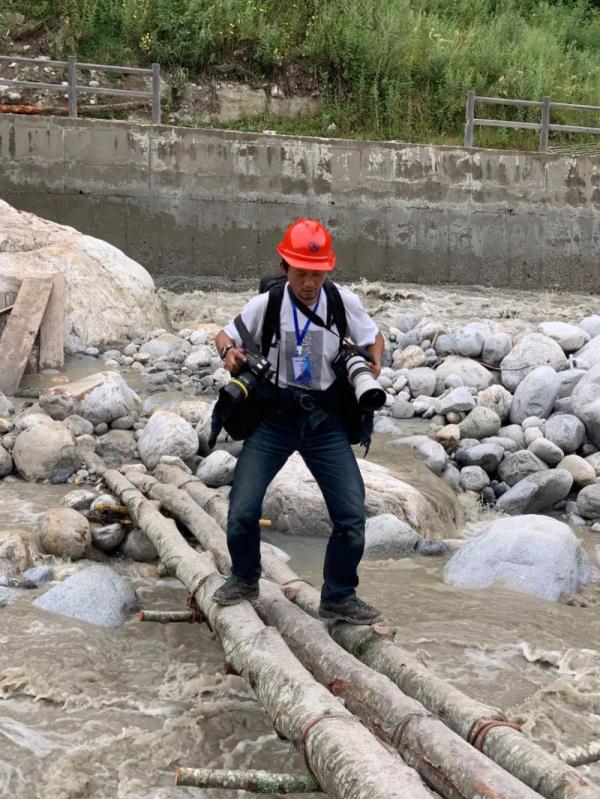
(235, 590)
(353, 610)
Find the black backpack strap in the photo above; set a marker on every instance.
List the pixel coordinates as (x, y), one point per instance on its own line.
(336, 312)
(271, 323)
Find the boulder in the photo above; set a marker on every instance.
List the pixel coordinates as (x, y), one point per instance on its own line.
(116, 447)
(471, 338)
(569, 337)
(6, 406)
(517, 465)
(47, 452)
(537, 492)
(422, 381)
(480, 423)
(585, 402)
(81, 499)
(217, 469)
(29, 419)
(568, 380)
(64, 532)
(546, 451)
(193, 411)
(497, 399)
(97, 595)
(78, 425)
(387, 535)
(137, 546)
(591, 325)
(7, 596)
(530, 553)
(6, 462)
(17, 552)
(410, 357)
(496, 347)
(470, 372)
(38, 575)
(107, 537)
(487, 456)
(101, 397)
(535, 395)
(402, 409)
(507, 444)
(589, 355)
(530, 352)
(199, 358)
(588, 502)
(566, 431)
(583, 473)
(457, 400)
(434, 455)
(106, 293)
(167, 348)
(473, 478)
(515, 433)
(594, 461)
(295, 504)
(167, 434)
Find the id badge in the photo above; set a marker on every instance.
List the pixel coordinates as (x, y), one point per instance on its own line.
(302, 366)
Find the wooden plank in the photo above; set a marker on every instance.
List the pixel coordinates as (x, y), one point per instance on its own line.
(52, 331)
(20, 331)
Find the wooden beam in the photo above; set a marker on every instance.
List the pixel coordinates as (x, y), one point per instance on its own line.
(52, 331)
(20, 331)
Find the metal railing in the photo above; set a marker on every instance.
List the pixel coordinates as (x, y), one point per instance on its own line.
(544, 125)
(73, 88)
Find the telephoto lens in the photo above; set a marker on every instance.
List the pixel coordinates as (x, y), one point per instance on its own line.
(369, 394)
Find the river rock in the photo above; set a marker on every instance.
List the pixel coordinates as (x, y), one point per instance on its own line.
(410, 357)
(566, 431)
(38, 575)
(507, 444)
(535, 395)
(6, 462)
(97, 595)
(514, 432)
(497, 399)
(547, 451)
(29, 419)
(530, 352)
(594, 461)
(471, 338)
(537, 492)
(448, 436)
(402, 409)
(583, 473)
(532, 434)
(517, 465)
(496, 347)
(588, 502)
(81, 499)
(7, 596)
(116, 447)
(531, 553)
(487, 456)
(167, 347)
(457, 400)
(6, 406)
(193, 411)
(295, 504)
(586, 402)
(48, 452)
(137, 546)
(199, 358)
(470, 372)
(480, 423)
(422, 381)
(387, 535)
(406, 321)
(167, 434)
(591, 325)
(473, 478)
(569, 337)
(106, 293)
(78, 425)
(17, 552)
(568, 380)
(589, 355)
(217, 469)
(100, 398)
(434, 455)
(107, 537)
(64, 532)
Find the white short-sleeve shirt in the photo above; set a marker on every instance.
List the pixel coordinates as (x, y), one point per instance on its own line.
(319, 344)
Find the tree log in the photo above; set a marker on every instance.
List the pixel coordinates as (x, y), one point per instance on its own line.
(347, 761)
(254, 781)
(582, 755)
(512, 750)
(166, 616)
(444, 760)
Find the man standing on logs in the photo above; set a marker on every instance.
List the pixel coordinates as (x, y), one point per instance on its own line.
(307, 386)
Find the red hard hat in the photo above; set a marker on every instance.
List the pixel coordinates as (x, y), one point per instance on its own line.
(306, 244)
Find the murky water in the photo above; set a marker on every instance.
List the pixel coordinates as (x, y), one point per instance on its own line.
(89, 712)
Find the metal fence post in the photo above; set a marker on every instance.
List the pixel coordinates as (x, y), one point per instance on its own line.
(545, 125)
(72, 89)
(156, 94)
(470, 116)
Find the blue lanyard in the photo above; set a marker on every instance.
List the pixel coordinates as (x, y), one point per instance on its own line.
(301, 336)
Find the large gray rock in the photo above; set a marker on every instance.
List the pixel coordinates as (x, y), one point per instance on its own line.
(402, 409)
(588, 502)
(471, 338)
(64, 532)
(473, 478)
(589, 354)
(487, 456)
(167, 348)
(583, 473)
(422, 381)
(515, 433)
(531, 553)
(78, 425)
(6, 462)
(568, 337)
(568, 380)
(100, 397)
(566, 431)
(594, 460)
(496, 347)
(530, 352)
(480, 423)
(7, 596)
(17, 552)
(591, 325)
(107, 537)
(546, 451)
(497, 399)
(6, 406)
(535, 395)
(470, 372)
(387, 535)
(116, 447)
(97, 595)
(217, 469)
(137, 546)
(457, 400)
(585, 401)
(167, 434)
(46, 452)
(434, 455)
(537, 492)
(517, 465)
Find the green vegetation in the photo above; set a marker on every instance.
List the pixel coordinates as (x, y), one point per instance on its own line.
(396, 69)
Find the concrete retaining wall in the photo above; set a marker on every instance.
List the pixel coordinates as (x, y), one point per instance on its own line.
(195, 203)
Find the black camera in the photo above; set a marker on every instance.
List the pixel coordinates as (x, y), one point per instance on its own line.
(252, 372)
(351, 360)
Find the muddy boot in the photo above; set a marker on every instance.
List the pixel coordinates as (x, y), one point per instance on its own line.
(352, 610)
(235, 590)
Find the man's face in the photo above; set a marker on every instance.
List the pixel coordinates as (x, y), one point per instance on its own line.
(306, 283)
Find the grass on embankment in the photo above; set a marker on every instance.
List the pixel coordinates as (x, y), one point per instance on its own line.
(391, 69)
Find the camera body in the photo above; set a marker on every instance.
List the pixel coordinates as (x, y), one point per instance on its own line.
(252, 372)
(351, 361)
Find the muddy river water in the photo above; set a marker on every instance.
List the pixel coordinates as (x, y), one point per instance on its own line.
(91, 712)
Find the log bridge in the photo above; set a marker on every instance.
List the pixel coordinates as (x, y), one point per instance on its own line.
(368, 719)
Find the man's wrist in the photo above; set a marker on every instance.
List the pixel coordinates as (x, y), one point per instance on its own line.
(223, 352)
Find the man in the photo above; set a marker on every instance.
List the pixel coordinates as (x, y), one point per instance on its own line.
(310, 418)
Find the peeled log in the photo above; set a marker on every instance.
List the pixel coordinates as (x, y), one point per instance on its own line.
(347, 761)
(512, 750)
(254, 781)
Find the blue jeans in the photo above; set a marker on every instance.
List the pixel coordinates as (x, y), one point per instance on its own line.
(327, 453)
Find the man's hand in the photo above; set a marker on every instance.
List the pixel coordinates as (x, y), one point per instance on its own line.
(234, 360)
(375, 350)
(375, 368)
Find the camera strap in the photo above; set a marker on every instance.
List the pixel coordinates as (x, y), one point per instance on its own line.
(310, 314)
(247, 339)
